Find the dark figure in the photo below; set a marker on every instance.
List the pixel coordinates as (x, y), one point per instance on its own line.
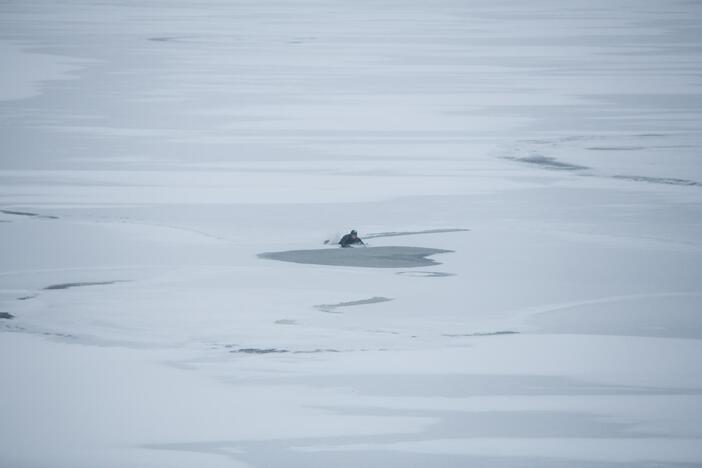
(350, 239)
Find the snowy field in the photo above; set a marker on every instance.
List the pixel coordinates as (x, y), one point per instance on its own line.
(528, 177)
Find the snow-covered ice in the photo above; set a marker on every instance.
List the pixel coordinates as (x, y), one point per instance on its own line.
(159, 158)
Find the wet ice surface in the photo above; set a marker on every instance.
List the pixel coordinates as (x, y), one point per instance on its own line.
(170, 143)
(369, 257)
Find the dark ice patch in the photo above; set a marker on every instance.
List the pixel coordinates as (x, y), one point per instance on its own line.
(26, 298)
(660, 180)
(80, 284)
(18, 213)
(285, 322)
(370, 257)
(26, 213)
(548, 162)
(6, 316)
(331, 308)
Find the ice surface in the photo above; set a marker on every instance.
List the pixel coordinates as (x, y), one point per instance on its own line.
(150, 151)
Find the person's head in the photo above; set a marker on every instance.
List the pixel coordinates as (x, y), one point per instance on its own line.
(353, 233)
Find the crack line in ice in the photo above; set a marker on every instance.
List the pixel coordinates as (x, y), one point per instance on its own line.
(412, 233)
(331, 308)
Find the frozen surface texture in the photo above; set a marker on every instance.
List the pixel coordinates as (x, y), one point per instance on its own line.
(549, 151)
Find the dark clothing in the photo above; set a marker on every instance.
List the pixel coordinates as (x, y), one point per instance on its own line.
(349, 239)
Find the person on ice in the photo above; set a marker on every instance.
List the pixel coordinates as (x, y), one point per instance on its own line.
(350, 239)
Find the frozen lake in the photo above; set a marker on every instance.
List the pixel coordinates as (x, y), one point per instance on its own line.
(158, 157)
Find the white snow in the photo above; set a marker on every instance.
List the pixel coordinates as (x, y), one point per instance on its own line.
(151, 151)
